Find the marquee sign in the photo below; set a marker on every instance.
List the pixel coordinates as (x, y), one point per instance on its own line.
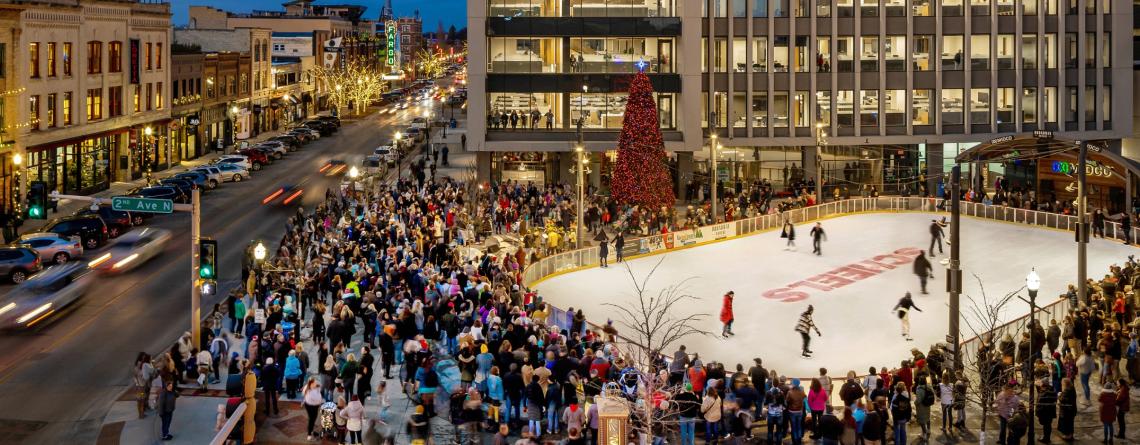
(392, 41)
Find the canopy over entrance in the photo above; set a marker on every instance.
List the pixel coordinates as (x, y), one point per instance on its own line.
(1041, 145)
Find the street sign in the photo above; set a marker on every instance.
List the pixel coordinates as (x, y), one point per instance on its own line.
(145, 205)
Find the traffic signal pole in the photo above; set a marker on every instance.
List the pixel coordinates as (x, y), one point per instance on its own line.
(195, 209)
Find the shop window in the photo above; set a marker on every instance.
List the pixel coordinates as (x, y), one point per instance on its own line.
(979, 106)
(920, 105)
(1004, 105)
(547, 105)
(952, 106)
(544, 55)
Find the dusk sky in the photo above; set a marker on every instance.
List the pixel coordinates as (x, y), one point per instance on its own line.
(451, 12)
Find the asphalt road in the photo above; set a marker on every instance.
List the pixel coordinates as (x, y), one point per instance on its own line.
(57, 382)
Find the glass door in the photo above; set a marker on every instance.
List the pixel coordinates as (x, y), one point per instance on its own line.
(665, 111)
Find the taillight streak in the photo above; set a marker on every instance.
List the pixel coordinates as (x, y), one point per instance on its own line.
(272, 196)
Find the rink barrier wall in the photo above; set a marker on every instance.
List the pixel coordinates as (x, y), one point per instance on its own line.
(581, 259)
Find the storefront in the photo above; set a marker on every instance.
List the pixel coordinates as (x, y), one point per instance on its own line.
(1106, 179)
(522, 167)
(78, 167)
(187, 142)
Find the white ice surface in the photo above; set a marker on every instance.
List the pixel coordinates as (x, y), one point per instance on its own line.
(859, 329)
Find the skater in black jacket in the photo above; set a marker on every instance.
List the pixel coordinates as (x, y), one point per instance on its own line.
(817, 237)
(923, 269)
(903, 308)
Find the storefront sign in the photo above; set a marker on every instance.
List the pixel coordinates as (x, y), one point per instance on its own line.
(652, 244)
(134, 61)
(1042, 134)
(843, 276)
(392, 39)
(1001, 139)
(193, 121)
(1092, 168)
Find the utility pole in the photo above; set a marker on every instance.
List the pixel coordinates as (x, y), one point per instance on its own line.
(579, 167)
(819, 135)
(195, 262)
(954, 274)
(712, 165)
(1082, 224)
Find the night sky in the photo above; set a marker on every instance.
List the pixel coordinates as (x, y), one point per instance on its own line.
(451, 12)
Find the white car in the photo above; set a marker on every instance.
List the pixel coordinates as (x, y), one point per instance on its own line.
(212, 173)
(278, 148)
(43, 295)
(238, 160)
(420, 123)
(131, 250)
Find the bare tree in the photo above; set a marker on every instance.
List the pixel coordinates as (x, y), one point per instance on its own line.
(653, 323)
(984, 371)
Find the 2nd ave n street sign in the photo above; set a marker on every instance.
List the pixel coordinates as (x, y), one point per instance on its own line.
(146, 205)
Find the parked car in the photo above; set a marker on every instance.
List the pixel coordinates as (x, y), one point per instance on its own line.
(332, 119)
(52, 247)
(238, 160)
(118, 222)
(323, 127)
(212, 172)
(183, 186)
(301, 134)
(90, 229)
(276, 147)
(257, 156)
(161, 192)
(419, 123)
(44, 295)
(199, 179)
(313, 134)
(132, 250)
(414, 134)
(387, 153)
(291, 143)
(228, 172)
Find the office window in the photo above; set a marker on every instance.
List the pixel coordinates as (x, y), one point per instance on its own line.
(137, 99)
(779, 109)
(739, 8)
(779, 8)
(149, 96)
(1029, 51)
(34, 111)
(34, 59)
(1106, 50)
(114, 101)
(66, 58)
(159, 101)
(760, 55)
(1071, 115)
(49, 116)
(869, 107)
(94, 104)
(845, 8)
(66, 108)
(1004, 105)
(720, 55)
(952, 8)
(979, 106)
(147, 56)
(823, 8)
(823, 107)
(801, 61)
(894, 53)
(158, 55)
(1105, 6)
(1049, 104)
(780, 55)
(759, 8)
(952, 106)
(1006, 7)
(1090, 50)
(801, 8)
(869, 54)
(94, 57)
(1050, 7)
(1030, 7)
(979, 7)
(1005, 51)
(739, 110)
(739, 55)
(869, 8)
(51, 71)
(920, 52)
(921, 8)
(800, 108)
(1029, 105)
(1106, 104)
(845, 108)
(980, 52)
(1090, 7)
(895, 8)
(952, 52)
(115, 57)
(760, 109)
(823, 54)
(1050, 50)
(894, 108)
(920, 105)
(845, 54)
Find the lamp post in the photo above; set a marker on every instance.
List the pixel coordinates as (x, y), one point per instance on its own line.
(15, 217)
(820, 133)
(580, 168)
(147, 132)
(1083, 224)
(399, 155)
(233, 124)
(259, 253)
(712, 173)
(1032, 284)
(954, 279)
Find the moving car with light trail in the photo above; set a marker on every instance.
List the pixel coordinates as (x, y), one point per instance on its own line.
(287, 194)
(132, 250)
(43, 295)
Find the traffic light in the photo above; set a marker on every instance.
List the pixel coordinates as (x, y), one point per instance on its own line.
(207, 259)
(37, 200)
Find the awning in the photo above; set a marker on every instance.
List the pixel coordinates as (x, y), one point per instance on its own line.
(1040, 145)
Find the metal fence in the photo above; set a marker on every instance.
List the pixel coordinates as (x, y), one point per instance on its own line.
(232, 422)
(588, 257)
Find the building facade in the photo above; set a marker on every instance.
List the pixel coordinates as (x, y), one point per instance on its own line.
(246, 111)
(892, 89)
(186, 103)
(95, 76)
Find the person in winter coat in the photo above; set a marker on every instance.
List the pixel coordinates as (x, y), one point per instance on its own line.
(293, 375)
(574, 417)
(354, 414)
(817, 403)
(270, 377)
(905, 304)
(165, 408)
(850, 391)
(1018, 424)
(495, 394)
(874, 422)
(1123, 405)
(817, 239)
(603, 248)
(1046, 410)
(1005, 405)
(726, 316)
(711, 407)
(922, 394)
(900, 412)
(795, 404)
(1107, 410)
(1067, 406)
(789, 233)
(775, 404)
(923, 269)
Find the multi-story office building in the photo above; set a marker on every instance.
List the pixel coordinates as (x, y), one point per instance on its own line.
(893, 89)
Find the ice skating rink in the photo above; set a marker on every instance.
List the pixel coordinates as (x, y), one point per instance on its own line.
(852, 286)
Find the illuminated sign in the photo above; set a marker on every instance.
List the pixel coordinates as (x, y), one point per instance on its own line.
(1092, 168)
(392, 39)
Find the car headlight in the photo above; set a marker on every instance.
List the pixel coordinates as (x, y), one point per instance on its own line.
(7, 308)
(34, 313)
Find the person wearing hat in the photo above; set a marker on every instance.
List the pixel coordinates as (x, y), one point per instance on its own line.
(688, 408)
(726, 315)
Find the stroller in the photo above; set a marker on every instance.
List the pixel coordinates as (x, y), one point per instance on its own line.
(326, 421)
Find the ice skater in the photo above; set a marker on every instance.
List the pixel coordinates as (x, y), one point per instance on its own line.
(817, 238)
(804, 327)
(726, 314)
(603, 248)
(789, 232)
(619, 245)
(923, 269)
(936, 234)
(903, 309)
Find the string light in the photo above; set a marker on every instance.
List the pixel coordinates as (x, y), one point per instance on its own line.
(641, 176)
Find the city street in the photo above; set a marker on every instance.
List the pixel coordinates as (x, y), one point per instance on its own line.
(58, 381)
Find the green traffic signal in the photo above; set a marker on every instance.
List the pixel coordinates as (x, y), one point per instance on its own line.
(206, 272)
(208, 259)
(35, 212)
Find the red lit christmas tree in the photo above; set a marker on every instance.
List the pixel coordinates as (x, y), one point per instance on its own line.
(641, 176)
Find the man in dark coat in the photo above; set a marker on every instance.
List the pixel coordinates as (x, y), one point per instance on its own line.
(923, 269)
(1046, 410)
(270, 376)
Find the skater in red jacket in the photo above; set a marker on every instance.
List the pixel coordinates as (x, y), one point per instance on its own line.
(726, 314)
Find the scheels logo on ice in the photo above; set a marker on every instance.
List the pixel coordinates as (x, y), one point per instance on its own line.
(842, 276)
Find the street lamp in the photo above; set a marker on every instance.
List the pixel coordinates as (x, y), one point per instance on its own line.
(353, 172)
(1032, 284)
(713, 146)
(580, 170)
(399, 155)
(148, 131)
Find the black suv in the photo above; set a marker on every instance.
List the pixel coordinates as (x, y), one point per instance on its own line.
(118, 222)
(89, 228)
(18, 262)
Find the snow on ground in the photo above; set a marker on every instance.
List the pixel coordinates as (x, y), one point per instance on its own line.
(852, 304)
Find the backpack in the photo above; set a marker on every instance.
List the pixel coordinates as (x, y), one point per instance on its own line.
(431, 379)
(927, 395)
(234, 385)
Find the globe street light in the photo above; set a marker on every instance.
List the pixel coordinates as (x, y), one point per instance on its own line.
(353, 172)
(1032, 284)
(148, 131)
(259, 251)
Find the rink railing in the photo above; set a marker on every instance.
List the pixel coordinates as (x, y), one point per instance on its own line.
(574, 260)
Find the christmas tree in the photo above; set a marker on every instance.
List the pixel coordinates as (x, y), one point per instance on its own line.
(641, 176)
